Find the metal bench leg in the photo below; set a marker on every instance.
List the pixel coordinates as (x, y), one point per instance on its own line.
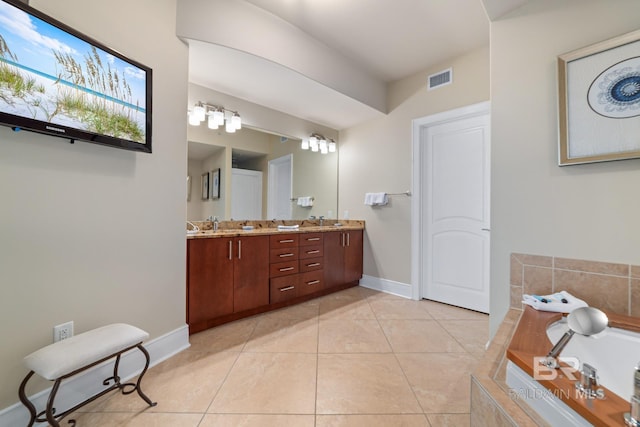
(25, 401)
(50, 409)
(137, 387)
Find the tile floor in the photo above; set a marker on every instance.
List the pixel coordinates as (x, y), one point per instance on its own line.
(353, 358)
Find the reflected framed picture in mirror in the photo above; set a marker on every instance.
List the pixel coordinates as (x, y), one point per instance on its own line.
(215, 184)
(204, 179)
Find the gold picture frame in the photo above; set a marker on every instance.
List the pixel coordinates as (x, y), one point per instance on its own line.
(599, 102)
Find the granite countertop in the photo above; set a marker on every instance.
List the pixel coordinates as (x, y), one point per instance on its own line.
(261, 228)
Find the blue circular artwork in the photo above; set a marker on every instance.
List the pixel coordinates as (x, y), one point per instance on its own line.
(615, 92)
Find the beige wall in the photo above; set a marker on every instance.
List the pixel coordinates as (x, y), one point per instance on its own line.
(90, 233)
(376, 156)
(582, 212)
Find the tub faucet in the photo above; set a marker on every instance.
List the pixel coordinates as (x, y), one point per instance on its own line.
(585, 321)
(588, 382)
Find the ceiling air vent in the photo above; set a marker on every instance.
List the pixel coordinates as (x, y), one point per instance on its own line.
(442, 78)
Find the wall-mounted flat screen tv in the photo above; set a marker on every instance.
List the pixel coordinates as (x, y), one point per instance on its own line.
(58, 81)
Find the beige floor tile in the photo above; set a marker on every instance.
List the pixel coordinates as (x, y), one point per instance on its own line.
(411, 336)
(471, 334)
(187, 382)
(269, 383)
(345, 308)
(372, 421)
(229, 337)
(282, 335)
(449, 312)
(449, 420)
(352, 336)
(253, 420)
(441, 381)
(363, 384)
(386, 308)
(133, 419)
(305, 310)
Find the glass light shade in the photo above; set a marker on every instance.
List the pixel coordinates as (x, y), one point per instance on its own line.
(199, 112)
(193, 120)
(332, 147)
(304, 144)
(229, 127)
(211, 122)
(323, 144)
(314, 147)
(218, 116)
(236, 121)
(324, 150)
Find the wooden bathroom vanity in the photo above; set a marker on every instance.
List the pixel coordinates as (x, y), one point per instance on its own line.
(232, 273)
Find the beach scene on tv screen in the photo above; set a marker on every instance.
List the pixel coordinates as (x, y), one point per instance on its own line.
(50, 75)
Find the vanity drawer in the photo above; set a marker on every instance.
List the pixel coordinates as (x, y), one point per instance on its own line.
(284, 288)
(283, 240)
(310, 282)
(311, 251)
(311, 264)
(283, 268)
(283, 254)
(307, 239)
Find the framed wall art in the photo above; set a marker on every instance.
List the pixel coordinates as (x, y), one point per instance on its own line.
(215, 184)
(204, 179)
(599, 101)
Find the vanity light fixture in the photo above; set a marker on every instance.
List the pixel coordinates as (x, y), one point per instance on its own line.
(215, 116)
(318, 143)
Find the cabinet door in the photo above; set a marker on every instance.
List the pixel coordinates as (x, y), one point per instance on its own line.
(209, 279)
(353, 256)
(250, 272)
(333, 259)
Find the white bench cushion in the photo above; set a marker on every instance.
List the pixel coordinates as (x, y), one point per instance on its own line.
(63, 357)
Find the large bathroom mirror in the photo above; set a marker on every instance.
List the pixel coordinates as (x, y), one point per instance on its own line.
(258, 175)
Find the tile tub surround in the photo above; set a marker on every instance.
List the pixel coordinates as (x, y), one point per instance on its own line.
(614, 288)
(296, 367)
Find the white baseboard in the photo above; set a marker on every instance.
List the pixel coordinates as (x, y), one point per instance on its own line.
(389, 286)
(88, 383)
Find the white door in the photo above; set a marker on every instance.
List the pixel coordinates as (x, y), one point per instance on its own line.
(455, 211)
(279, 190)
(246, 191)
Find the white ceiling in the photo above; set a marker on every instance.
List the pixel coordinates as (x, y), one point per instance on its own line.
(387, 39)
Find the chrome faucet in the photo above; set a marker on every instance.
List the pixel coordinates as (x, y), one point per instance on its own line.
(214, 222)
(321, 220)
(588, 381)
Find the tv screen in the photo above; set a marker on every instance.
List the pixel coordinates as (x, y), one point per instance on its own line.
(58, 81)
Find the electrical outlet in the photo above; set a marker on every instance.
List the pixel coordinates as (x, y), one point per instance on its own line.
(63, 331)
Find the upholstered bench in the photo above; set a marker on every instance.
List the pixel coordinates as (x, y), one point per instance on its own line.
(66, 358)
